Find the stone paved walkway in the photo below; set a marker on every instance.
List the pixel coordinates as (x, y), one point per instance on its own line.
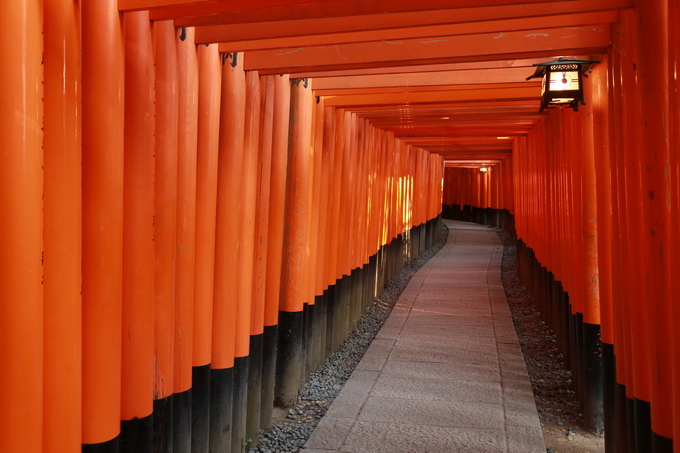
(445, 373)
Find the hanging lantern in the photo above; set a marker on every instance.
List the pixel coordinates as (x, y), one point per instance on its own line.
(562, 84)
(483, 169)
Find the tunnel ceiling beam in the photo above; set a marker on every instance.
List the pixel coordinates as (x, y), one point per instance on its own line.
(233, 31)
(324, 86)
(525, 63)
(525, 93)
(434, 31)
(445, 49)
(231, 12)
(193, 7)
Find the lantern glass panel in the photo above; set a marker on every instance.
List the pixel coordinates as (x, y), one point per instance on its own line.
(564, 81)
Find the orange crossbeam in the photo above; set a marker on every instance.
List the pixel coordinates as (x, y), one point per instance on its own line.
(425, 79)
(485, 46)
(190, 16)
(517, 83)
(495, 26)
(232, 30)
(434, 97)
(179, 8)
(429, 68)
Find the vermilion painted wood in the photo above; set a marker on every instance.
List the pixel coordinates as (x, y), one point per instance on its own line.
(165, 217)
(229, 178)
(430, 68)
(406, 81)
(316, 248)
(187, 60)
(528, 93)
(277, 198)
(244, 32)
(325, 185)
(248, 214)
(674, 93)
(264, 174)
(603, 170)
(138, 221)
(652, 46)
(637, 329)
(293, 272)
(103, 88)
(445, 49)
(329, 177)
(103, 94)
(426, 32)
(21, 303)
(209, 86)
(334, 269)
(473, 87)
(620, 293)
(62, 397)
(320, 9)
(193, 7)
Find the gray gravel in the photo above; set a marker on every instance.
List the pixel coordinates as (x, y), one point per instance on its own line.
(292, 430)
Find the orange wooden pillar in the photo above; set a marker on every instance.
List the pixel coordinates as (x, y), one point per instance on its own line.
(314, 309)
(592, 353)
(103, 94)
(264, 164)
(335, 272)
(21, 161)
(605, 189)
(277, 200)
(230, 165)
(328, 265)
(322, 281)
(138, 237)
(62, 421)
(652, 102)
(293, 274)
(165, 220)
(674, 144)
(210, 83)
(617, 408)
(638, 389)
(247, 217)
(187, 138)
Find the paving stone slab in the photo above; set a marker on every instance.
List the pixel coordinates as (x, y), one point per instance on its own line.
(390, 438)
(432, 412)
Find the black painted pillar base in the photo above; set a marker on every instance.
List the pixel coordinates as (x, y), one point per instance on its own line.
(609, 397)
(288, 359)
(269, 343)
(240, 408)
(254, 387)
(661, 444)
(112, 446)
(221, 403)
(323, 327)
(643, 426)
(593, 410)
(200, 409)
(162, 425)
(318, 333)
(330, 319)
(181, 413)
(136, 435)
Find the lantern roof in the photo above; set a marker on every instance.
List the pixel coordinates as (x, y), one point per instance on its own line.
(541, 68)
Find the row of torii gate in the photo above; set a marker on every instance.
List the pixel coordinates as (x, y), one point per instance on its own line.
(199, 198)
